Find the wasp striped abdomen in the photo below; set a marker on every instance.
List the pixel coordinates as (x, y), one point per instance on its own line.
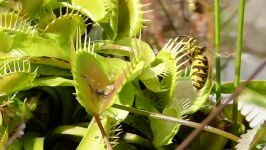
(199, 71)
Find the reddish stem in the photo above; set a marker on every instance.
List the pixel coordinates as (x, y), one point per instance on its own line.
(105, 138)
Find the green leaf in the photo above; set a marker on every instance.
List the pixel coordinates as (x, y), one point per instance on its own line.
(1, 118)
(89, 73)
(129, 18)
(253, 106)
(144, 102)
(69, 130)
(138, 47)
(93, 73)
(15, 76)
(111, 27)
(249, 140)
(51, 81)
(48, 61)
(66, 25)
(168, 55)
(33, 142)
(29, 8)
(209, 141)
(256, 85)
(49, 45)
(6, 42)
(125, 98)
(134, 121)
(164, 131)
(12, 22)
(17, 145)
(93, 138)
(123, 145)
(97, 10)
(4, 137)
(150, 77)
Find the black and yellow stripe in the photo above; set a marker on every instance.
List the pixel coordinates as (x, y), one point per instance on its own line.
(199, 71)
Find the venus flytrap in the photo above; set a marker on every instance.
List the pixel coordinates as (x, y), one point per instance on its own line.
(15, 76)
(98, 80)
(12, 22)
(66, 24)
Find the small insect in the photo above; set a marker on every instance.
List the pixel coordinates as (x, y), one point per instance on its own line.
(98, 92)
(199, 63)
(199, 59)
(105, 92)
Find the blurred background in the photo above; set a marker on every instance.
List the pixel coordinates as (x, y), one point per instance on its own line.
(171, 18)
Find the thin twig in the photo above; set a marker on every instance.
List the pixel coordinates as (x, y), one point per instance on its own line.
(105, 138)
(176, 120)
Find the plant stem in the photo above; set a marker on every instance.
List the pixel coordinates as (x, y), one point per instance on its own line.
(238, 59)
(217, 46)
(105, 138)
(176, 120)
